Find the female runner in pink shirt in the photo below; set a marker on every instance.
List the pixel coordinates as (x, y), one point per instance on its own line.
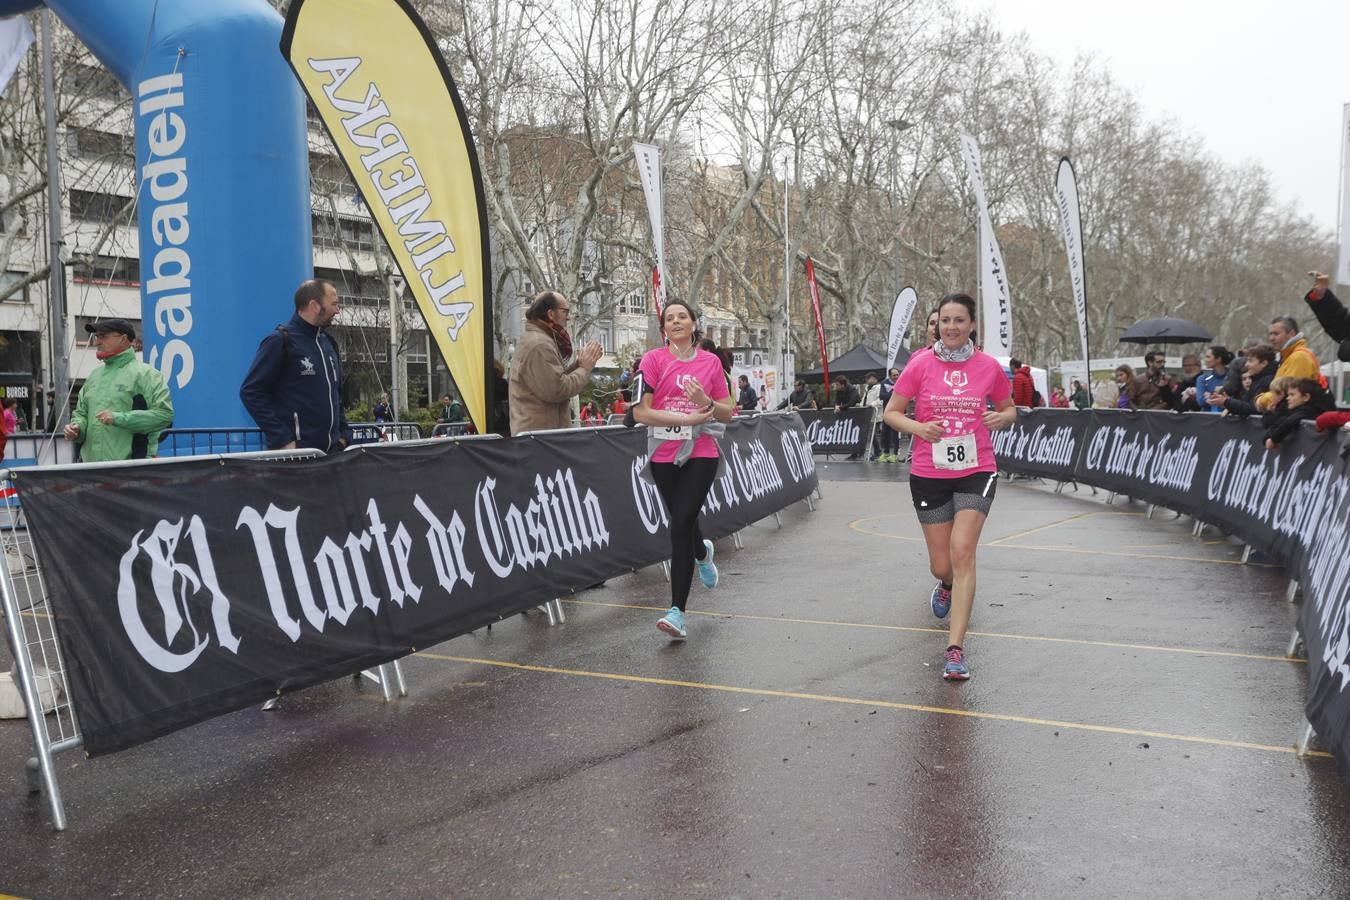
(682, 398)
(953, 473)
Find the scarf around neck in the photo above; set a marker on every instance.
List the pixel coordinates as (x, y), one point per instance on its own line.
(960, 354)
(560, 336)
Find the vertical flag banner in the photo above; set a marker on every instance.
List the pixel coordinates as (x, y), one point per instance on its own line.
(820, 324)
(1071, 222)
(16, 36)
(900, 316)
(1343, 266)
(996, 329)
(656, 292)
(648, 159)
(382, 89)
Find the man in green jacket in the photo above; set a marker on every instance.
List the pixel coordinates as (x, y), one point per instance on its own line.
(124, 403)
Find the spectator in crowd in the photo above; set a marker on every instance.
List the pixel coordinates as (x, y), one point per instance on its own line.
(1279, 390)
(1023, 388)
(1190, 371)
(723, 356)
(1304, 400)
(1330, 312)
(124, 403)
(931, 330)
(1154, 388)
(1210, 381)
(871, 399)
(9, 423)
(293, 389)
(452, 411)
(591, 414)
(501, 400)
(1057, 398)
(800, 398)
(1126, 387)
(620, 404)
(1296, 359)
(746, 398)
(1232, 382)
(1257, 374)
(844, 394)
(1080, 397)
(384, 412)
(544, 377)
(890, 438)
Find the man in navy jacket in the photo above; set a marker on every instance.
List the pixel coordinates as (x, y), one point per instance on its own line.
(293, 390)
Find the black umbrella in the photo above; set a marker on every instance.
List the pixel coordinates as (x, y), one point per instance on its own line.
(1166, 330)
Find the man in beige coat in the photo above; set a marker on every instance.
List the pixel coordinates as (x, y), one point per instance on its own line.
(543, 381)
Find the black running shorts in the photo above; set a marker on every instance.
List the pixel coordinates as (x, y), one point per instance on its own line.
(937, 500)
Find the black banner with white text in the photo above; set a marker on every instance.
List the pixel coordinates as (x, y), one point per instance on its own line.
(1291, 503)
(828, 431)
(190, 589)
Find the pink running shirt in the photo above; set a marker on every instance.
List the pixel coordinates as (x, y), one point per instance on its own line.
(954, 394)
(664, 376)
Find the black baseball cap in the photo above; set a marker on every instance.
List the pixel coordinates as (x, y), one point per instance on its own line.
(111, 326)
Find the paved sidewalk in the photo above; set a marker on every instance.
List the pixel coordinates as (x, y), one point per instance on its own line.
(1127, 731)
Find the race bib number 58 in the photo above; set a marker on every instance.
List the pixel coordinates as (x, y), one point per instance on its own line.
(955, 453)
(673, 432)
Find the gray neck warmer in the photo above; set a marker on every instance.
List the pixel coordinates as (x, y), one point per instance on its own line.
(961, 354)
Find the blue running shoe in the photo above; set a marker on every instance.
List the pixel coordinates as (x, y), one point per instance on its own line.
(955, 669)
(707, 572)
(942, 600)
(672, 623)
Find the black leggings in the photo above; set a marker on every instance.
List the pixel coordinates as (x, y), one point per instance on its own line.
(684, 488)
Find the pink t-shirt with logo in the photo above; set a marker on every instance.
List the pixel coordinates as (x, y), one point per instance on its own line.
(664, 376)
(953, 394)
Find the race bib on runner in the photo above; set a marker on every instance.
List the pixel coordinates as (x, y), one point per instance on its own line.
(955, 453)
(673, 432)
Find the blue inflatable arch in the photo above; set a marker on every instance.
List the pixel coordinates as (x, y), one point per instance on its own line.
(223, 168)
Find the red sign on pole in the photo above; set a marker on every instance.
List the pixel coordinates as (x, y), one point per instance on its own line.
(820, 325)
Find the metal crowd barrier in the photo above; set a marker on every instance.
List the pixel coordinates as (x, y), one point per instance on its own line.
(37, 448)
(41, 671)
(210, 441)
(375, 432)
(450, 429)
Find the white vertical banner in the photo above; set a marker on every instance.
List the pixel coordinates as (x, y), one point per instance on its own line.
(1071, 223)
(648, 158)
(901, 313)
(16, 36)
(996, 329)
(1343, 266)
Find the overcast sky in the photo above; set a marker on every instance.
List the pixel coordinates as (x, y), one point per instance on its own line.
(1255, 80)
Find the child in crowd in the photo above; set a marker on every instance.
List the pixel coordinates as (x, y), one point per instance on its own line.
(1277, 392)
(1303, 399)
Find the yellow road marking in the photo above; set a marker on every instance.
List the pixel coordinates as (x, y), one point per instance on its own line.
(917, 630)
(1031, 531)
(883, 704)
(854, 525)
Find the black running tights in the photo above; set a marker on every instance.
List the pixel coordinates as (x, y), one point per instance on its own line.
(684, 488)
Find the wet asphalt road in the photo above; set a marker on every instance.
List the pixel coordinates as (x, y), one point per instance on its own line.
(1126, 732)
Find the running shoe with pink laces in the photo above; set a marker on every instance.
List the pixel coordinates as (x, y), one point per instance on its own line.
(942, 600)
(955, 669)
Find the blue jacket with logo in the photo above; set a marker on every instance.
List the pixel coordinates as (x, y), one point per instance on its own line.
(293, 390)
